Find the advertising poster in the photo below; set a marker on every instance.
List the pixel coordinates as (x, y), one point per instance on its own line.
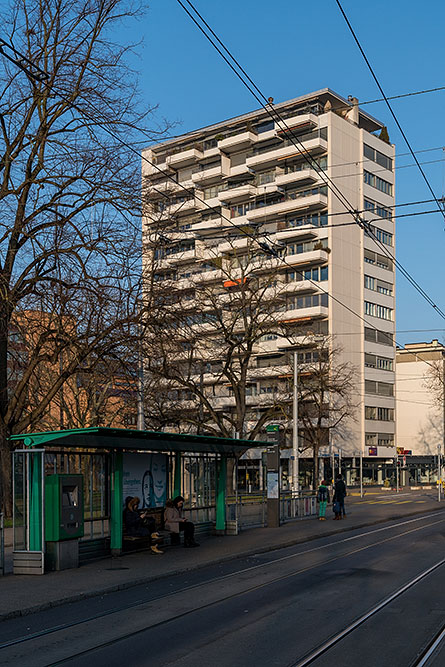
(145, 476)
(273, 489)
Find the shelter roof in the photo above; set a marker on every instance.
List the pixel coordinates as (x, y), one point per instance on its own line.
(120, 439)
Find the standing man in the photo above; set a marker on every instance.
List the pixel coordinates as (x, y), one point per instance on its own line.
(339, 495)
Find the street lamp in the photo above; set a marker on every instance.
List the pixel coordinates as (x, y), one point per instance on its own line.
(295, 453)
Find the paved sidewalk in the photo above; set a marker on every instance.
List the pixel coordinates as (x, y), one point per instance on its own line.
(20, 595)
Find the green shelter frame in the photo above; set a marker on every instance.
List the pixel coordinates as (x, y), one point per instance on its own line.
(112, 443)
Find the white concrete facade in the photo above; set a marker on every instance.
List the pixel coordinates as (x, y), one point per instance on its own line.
(250, 172)
(420, 417)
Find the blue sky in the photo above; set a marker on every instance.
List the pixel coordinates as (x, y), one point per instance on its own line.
(291, 48)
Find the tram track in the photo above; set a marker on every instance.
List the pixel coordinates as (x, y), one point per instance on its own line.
(28, 639)
(270, 562)
(336, 639)
(429, 652)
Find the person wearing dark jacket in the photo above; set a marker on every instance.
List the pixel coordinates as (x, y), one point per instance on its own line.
(175, 521)
(339, 496)
(323, 499)
(138, 525)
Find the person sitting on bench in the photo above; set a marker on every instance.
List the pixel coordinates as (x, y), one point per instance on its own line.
(176, 523)
(139, 524)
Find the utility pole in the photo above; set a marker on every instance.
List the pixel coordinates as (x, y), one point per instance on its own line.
(443, 414)
(140, 394)
(295, 453)
(361, 472)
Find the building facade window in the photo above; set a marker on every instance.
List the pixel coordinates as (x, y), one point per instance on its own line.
(318, 274)
(376, 336)
(308, 301)
(382, 363)
(376, 258)
(382, 439)
(380, 286)
(382, 236)
(378, 209)
(379, 388)
(305, 246)
(315, 219)
(379, 414)
(377, 182)
(378, 157)
(376, 310)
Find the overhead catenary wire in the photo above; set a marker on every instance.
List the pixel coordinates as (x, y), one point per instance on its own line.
(396, 120)
(274, 114)
(271, 250)
(264, 104)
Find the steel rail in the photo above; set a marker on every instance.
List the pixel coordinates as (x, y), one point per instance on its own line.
(428, 652)
(187, 612)
(333, 641)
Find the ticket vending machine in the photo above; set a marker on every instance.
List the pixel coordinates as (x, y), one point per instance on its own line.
(63, 520)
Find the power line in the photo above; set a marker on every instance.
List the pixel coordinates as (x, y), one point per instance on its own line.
(272, 251)
(441, 209)
(267, 105)
(307, 158)
(398, 97)
(22, 62)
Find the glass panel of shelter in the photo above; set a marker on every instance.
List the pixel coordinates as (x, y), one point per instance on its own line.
(94, 469)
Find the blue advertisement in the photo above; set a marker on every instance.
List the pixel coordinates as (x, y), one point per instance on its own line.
(145, 477)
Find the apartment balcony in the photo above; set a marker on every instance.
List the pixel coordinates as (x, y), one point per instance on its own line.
(299, 286)
(318, 256)
(307, 121)
(167, 188)
(238, 142)
(189, 206)
(240, 170)
(256, 374)
(208, 277)
(184, 158)
(303, 232)
(224, 402)
(287, 206)
(180, 257)
(235, 245)
(303, 314)
(210, 227)
(301, 176)
(276, 154)
(237, 194)
(207, 176)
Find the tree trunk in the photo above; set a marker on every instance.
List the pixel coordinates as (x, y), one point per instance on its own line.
(315, 471)
(5, 476)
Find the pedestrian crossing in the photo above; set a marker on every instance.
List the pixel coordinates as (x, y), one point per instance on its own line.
(387, 501)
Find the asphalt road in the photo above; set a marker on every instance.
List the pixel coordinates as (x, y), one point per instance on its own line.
(271, 609)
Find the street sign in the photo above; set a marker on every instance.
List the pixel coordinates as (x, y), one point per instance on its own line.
(272, 428)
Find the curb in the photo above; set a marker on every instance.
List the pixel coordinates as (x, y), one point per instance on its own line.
(77, 597)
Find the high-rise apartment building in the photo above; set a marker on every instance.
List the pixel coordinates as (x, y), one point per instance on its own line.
(288, 184)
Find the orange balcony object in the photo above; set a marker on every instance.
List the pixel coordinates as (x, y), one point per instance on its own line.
(235, 283)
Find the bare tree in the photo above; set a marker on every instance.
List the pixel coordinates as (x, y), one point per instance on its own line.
(435, 381)
(208, 344)
(69, 202)
(325, 396)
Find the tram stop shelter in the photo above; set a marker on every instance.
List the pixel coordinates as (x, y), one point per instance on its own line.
(69, 488)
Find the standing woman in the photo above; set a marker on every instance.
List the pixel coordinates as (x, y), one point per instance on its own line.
(176, 523)
(323, 499)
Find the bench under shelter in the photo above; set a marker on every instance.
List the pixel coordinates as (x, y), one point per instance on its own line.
(69, 488)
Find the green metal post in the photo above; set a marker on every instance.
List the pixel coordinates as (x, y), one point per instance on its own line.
(221, 495)
(35, 502)
(177, 486)
(116, 501)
